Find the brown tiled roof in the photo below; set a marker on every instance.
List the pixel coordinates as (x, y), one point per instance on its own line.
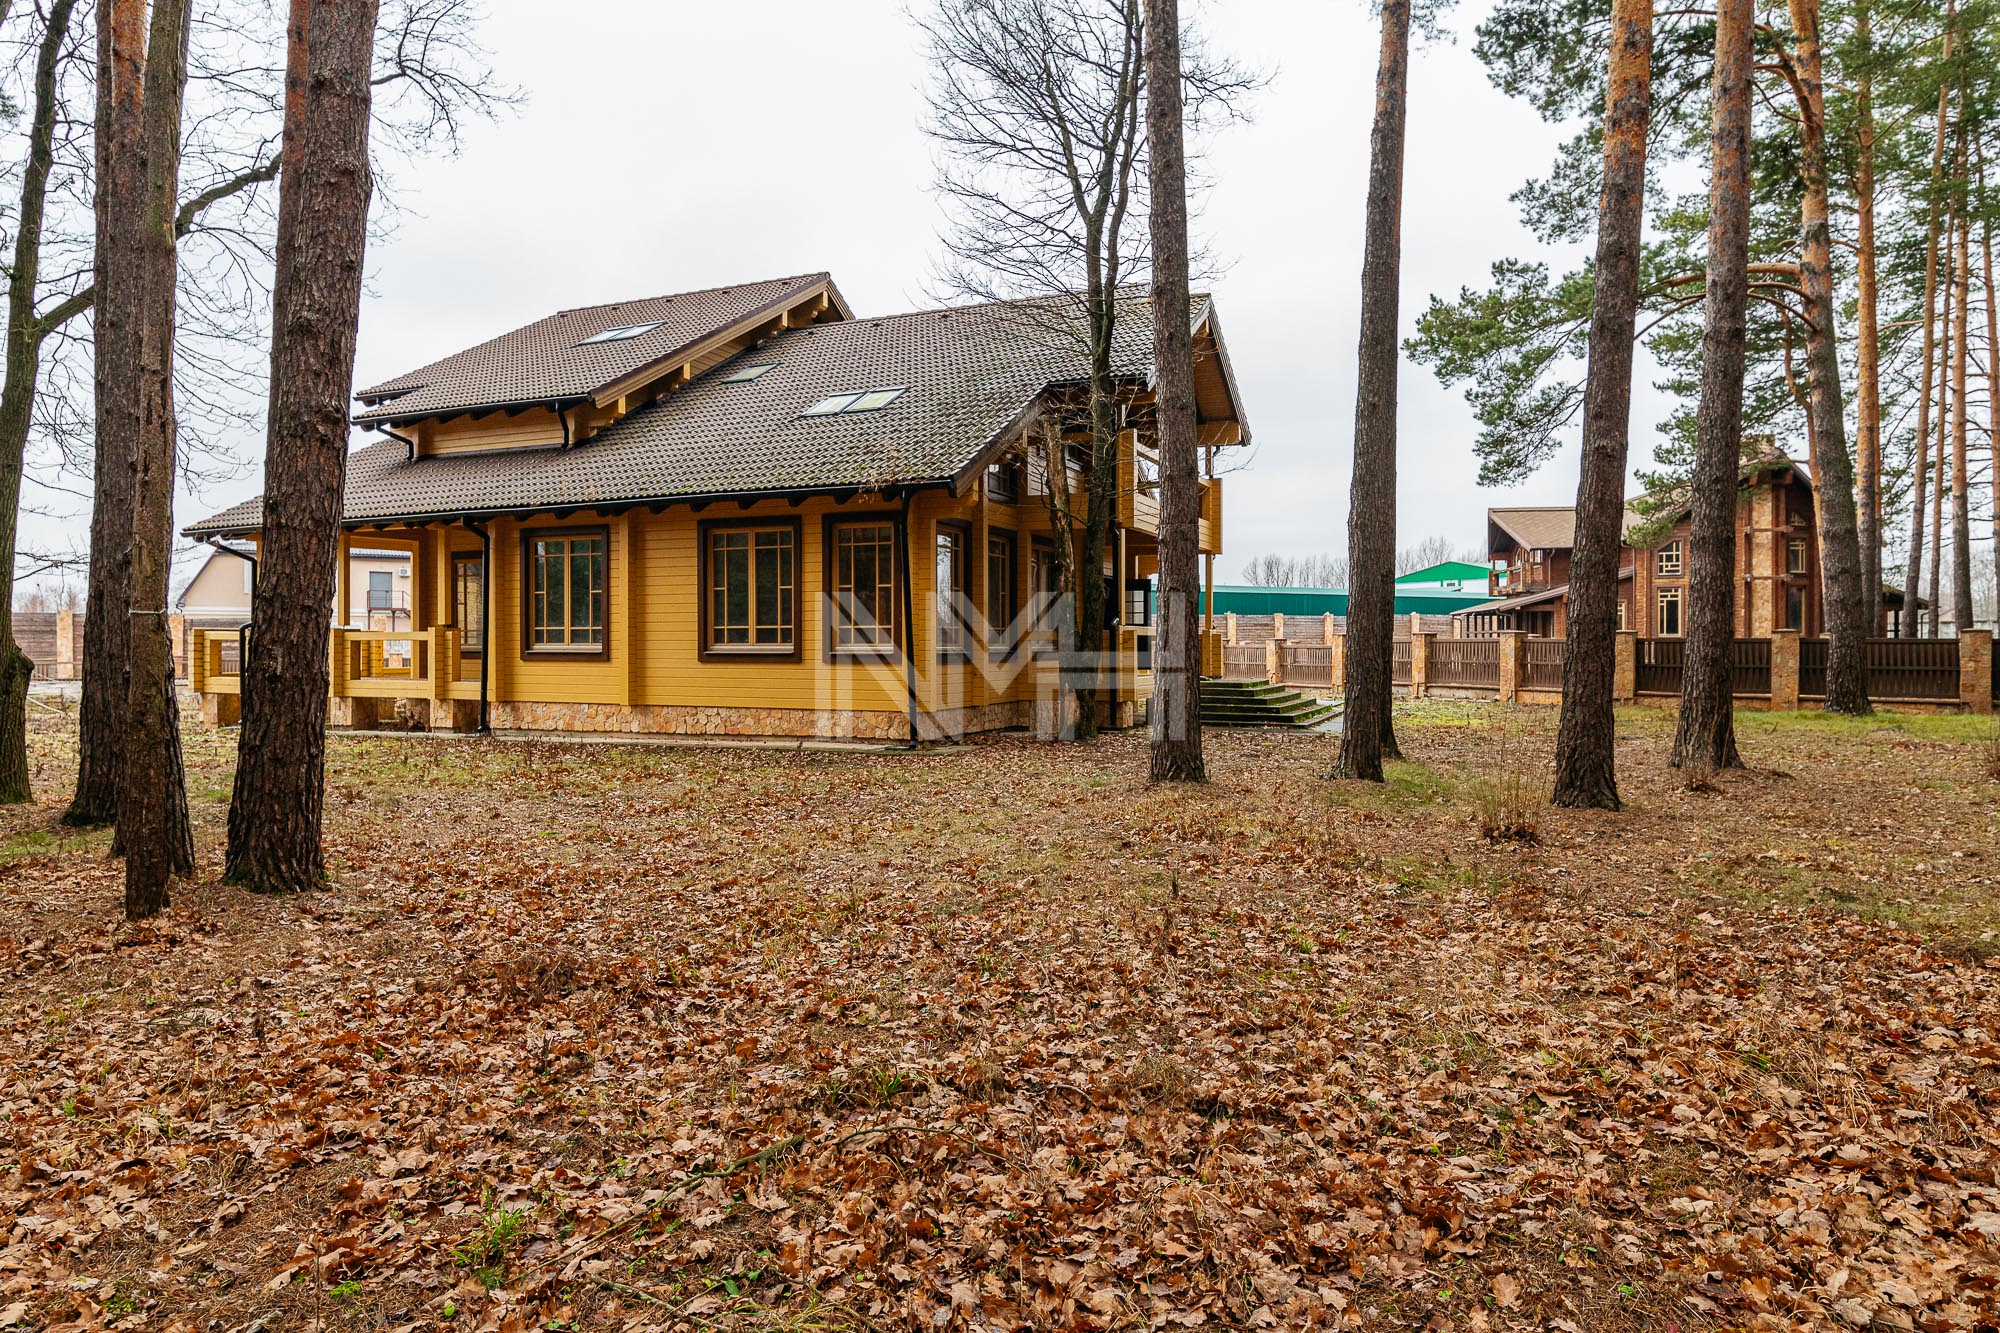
(543, 362)
(1547, 528)
(969, 374)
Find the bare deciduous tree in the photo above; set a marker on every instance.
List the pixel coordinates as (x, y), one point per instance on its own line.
(1036, 107)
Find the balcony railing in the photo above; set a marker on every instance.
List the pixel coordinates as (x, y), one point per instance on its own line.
(362, 664)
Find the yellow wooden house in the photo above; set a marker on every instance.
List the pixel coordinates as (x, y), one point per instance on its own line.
(735, 512)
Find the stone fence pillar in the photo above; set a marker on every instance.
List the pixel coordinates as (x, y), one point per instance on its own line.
(1513, 663)
(1785, 670)
(1229, 627)
(66, 645)
(1339, 642)
(1420, 664)
(1326, 634)
(1278, 625)
(1625, 667)
(1274, 668)
(1975, 670)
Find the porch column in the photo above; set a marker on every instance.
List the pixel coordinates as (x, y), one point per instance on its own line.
(1785, 670)
(1208, 595)
(343, 596)
(1975, 670)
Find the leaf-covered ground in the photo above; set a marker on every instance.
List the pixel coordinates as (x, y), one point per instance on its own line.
(601, 1037)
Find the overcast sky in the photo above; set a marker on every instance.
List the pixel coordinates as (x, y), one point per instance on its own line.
(665, 147)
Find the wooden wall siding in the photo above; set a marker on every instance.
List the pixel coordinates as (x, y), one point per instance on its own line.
(653, 613)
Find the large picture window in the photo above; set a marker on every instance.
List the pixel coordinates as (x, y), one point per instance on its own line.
(953, 634)
(565, 591)
(861, 579)
(468, 602)
(751, 583)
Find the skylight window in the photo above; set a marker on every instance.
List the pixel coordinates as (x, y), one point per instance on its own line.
(620, 333)
(745, 374)
(865, 400)
(827, 407)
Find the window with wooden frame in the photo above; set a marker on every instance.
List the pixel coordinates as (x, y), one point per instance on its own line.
(1795, 556)
(468, 601)
(564, 590)
(1795, 608)
(1001, 605)
(954, 635)
(1043, 591)
(1622, 616)
(1670, 561)
(1003, 482)
(1669, 626)
(750, 588)
(860, 560)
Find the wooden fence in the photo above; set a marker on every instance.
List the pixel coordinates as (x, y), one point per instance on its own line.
(1306, 663)
(1545, 664)
(1471, 664)
(1778, 672)
(1660, 664)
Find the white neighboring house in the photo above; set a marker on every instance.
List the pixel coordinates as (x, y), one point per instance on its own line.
(219, 593)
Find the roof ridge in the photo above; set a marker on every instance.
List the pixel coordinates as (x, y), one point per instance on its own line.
(1137, 288)
(692, 291)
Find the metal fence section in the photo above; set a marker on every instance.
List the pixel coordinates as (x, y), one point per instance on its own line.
(1657, 669)
(1545, 664)
(1465, 663)
(1911, 669)
(1750, 667)
(1812, 668)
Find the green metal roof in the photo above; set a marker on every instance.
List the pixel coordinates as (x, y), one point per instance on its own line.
(1249, 600)
(1446, 570)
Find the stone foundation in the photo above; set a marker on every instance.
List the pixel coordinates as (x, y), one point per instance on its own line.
(721, 720)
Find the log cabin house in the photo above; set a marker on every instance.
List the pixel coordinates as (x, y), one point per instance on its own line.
(1777, 562)
(735, 511)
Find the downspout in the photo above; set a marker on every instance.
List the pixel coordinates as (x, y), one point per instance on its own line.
(909, 620)
(409, 444)
(485, 617)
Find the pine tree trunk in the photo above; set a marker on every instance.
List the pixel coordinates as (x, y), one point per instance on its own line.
(1705, 736)
(1961, 484)
(1586, 771)
(279, 800)
(1839, 536)
(1936, 480)
(153, 816)
(121, 36)
(23, 350)
(1992, 383)
(1176, 705)
(1868, 339)
(1913, 571)
(1367, 724)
